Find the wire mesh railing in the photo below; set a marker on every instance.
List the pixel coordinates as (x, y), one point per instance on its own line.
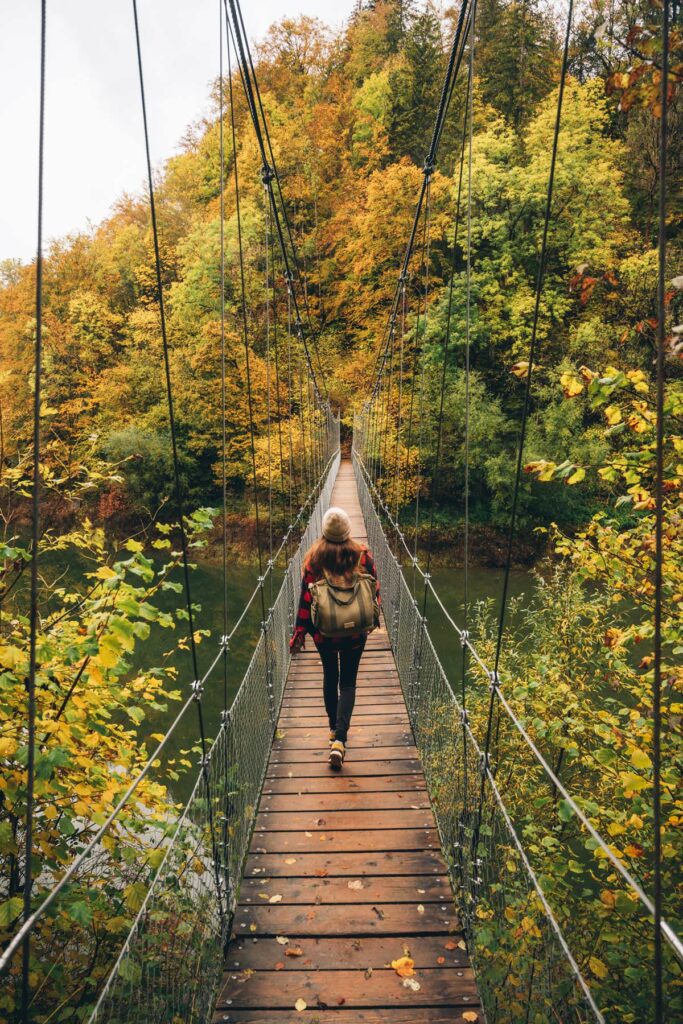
(533, 940)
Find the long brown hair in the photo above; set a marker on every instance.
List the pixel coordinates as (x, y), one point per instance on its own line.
(337, 559)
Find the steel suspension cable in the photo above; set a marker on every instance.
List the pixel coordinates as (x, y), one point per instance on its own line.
(224, 476)
(35, 540)
(197, 683)
(659, 526)
(494, 675)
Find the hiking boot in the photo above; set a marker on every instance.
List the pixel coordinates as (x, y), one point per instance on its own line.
(336, 758)
(333, 736)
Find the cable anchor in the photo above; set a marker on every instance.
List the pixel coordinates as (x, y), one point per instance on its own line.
(494, 681)
(197, 689)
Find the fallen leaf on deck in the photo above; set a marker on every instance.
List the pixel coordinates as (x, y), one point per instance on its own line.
(323, 838)
(280, 734)
(252, 927)
(290, 860)
(470, 1015)
(281, 939)
(356, 885)
(321, 872)
(379, 913)
(275, 899)
(356, 944)
(422, 891)
(340, 1002)
(300, 1005)
(320, 821)
(411, 984)
(404, 966)
(368, 973)
(441, 959)
(264, 896)
(461, 945)
(420, 909)
(279, 966)
(450, 945)
(294, 951)
(309, 835)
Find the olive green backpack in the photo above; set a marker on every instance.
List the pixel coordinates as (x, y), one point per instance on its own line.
(344, 611)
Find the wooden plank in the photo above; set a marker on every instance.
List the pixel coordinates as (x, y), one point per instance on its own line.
(347, 865)
(346, 841)
(324, 821)
(364, 755)
(359, 736)
(282, 769)
(360, 1015)
(347, 919)
(317, 721)
(330, 782)
(376, 889)
(350, 953)
(343, 801)
(439, 986)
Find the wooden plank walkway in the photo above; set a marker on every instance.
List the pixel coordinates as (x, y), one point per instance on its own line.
(344, 872)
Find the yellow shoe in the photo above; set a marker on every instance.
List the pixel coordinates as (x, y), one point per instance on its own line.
(333, 736)
(336, 758)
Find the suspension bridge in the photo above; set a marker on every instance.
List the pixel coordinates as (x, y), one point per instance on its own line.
(402, 890)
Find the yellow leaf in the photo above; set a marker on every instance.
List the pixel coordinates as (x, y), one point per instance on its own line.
(639, 759)
(577, 476)
(300, 1005)
(470, 1015)
(613, 415)
(597, 967)
(571, 385)
(520, 369)
(7, 746)
(404, 966)
(105, 573)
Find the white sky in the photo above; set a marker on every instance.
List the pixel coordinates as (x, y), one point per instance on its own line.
(94, 146)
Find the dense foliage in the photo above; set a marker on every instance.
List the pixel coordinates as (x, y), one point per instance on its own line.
(350, 116)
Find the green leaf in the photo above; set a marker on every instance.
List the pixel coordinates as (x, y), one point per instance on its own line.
(80, 912)
(10, 911)
(565, 811)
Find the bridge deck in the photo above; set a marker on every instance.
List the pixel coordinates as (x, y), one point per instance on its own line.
(344, 873)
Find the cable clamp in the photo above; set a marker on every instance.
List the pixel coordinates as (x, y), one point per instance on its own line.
(494, 681)
(261, 580)
(225, 717)
(224, 642)
(428, 167)
(197, 689)
(271, 563)
(288, 275)
(205, 760)
(403, 278)
(267, 174)
(485, 761)
(464, 638)
(464, 717)
(427, 577)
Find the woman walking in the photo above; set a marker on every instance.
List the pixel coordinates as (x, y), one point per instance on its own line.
(339, 607)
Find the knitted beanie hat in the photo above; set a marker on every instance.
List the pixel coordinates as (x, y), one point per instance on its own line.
(336, 525)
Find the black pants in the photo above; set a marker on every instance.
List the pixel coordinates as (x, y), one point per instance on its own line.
(340, 669)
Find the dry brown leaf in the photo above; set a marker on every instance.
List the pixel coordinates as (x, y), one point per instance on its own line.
(340, 1002)
(290, 860)
(294, 951)
(279, 966)
(404, 966)
(470, 1015)
(441, 959)
(450, 945)
(356, 885)
(322, 838)
(368, 973)
(321, 872)
(300, 1005)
